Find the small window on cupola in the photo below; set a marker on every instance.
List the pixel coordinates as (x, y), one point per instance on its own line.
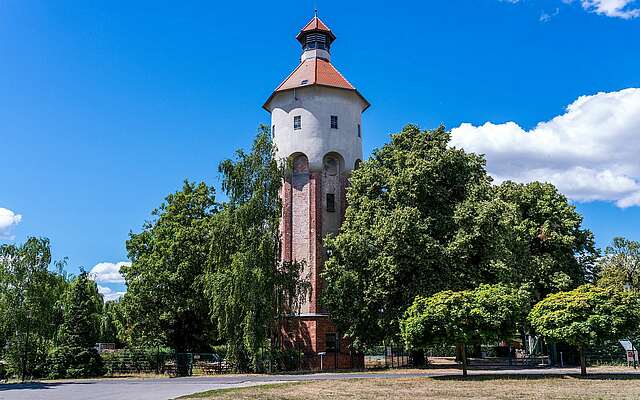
(297, 123)
(334, 122)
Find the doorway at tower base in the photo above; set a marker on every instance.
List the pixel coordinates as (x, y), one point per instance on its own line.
(319, 345)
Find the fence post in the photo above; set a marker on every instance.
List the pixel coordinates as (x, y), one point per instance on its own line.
(350, 358)
(158, 360)
(392, 364)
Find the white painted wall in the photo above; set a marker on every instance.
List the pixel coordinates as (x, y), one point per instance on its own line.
(315, 105)
(315, 53)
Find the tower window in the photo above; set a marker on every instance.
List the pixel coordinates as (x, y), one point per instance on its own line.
(331, 342)
(297, 122)
(359, 131)
(331, 202)
(273, 131)
(334, 122)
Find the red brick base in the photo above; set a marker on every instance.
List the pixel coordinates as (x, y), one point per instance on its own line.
(308, 335)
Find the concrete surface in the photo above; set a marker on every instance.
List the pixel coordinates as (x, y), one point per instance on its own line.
(170, 388)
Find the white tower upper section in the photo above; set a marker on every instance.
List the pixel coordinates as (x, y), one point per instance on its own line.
(316, 112)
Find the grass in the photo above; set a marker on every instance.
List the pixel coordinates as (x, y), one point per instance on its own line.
(442, 388)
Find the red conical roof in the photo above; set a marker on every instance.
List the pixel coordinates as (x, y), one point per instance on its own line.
(316, 25)
(315, 71)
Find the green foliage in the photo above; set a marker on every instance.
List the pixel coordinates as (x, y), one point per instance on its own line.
(286, 359)
(587, 315)
(30, 311)
(75, 355)
(220, 350)
(487, 313)
(551, 250)
(418, 221)
(137, 360)
(248, 289)
(423, 217)
(165, 302)
(112, 323)
(620, 265)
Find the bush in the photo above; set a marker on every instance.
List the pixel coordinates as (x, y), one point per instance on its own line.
(286, 359)
(69, 362)
(220, 350)
(136, 360)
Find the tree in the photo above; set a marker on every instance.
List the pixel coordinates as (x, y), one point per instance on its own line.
(30, 311)
(552, 250)
(620, 266)
(76, 356)
(112, 323)
(487, 313)
(586, 316)
(249, 290)
(421, 218)
(165, 302)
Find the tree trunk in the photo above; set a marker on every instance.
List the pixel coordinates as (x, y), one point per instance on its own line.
(418, 358)
(583, 362)
(463, 356)
(25, 359)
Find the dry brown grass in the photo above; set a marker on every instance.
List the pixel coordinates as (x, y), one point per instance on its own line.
(443, 388)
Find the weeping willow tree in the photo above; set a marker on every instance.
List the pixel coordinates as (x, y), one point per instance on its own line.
(30, 311)
(250, 291)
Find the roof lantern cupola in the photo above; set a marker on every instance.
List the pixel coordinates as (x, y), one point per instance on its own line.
(315, 68)
(316, 39)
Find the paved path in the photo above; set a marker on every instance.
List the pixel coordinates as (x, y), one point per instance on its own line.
(169, 388)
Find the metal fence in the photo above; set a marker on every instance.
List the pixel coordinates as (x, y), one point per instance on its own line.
(387, 356)
(124, 361)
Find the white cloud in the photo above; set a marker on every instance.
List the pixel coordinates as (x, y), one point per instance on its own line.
(612, 8)
(108, 294)
(108, 272)
(625, 9)
(8, 220)
(591, 152)
(546, 17)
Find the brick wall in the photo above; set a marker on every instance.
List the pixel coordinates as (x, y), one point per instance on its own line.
(303, 226)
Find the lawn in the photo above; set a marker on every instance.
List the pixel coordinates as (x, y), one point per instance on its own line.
(443, 388)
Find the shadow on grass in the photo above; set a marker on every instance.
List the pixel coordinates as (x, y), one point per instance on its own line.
(595, 376)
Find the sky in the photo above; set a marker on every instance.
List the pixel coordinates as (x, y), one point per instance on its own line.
(107, 106)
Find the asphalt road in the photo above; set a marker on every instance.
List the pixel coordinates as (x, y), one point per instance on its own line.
(170, 388)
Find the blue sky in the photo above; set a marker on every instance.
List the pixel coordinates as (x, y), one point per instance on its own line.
(106, 107)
